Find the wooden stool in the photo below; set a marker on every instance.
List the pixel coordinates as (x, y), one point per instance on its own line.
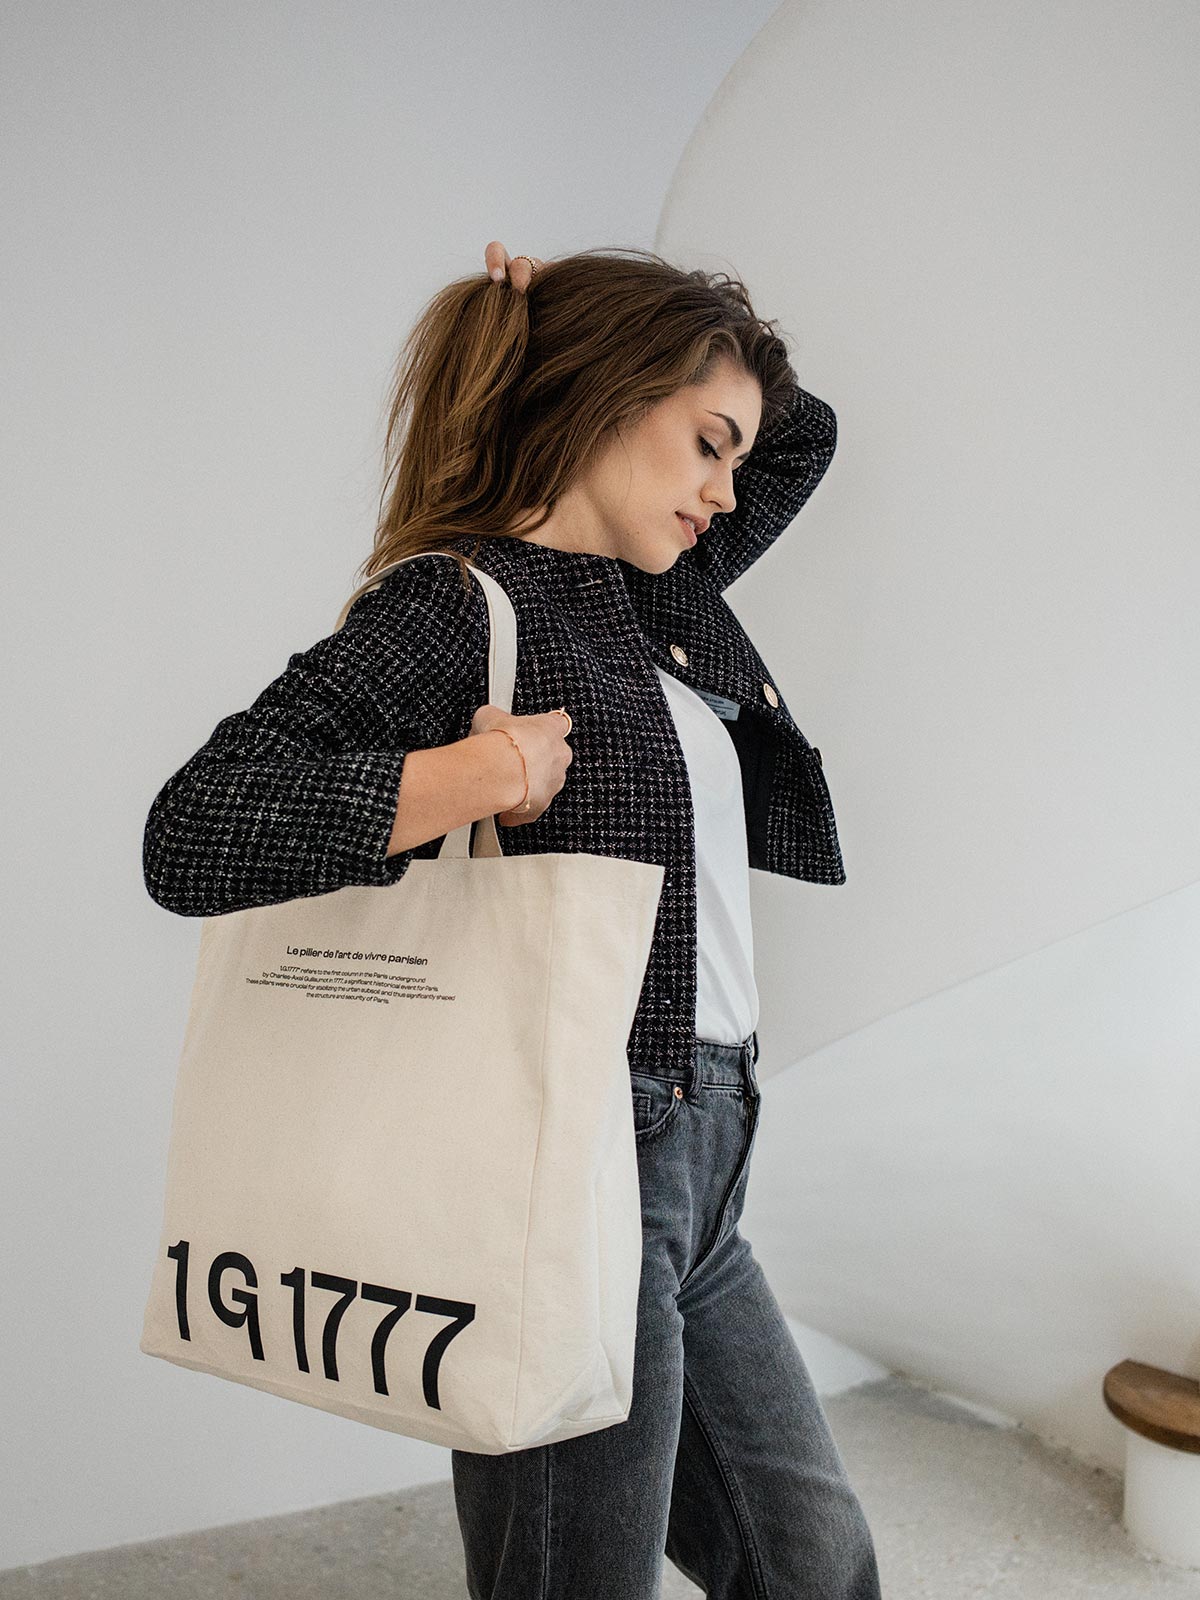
(1161, 1410)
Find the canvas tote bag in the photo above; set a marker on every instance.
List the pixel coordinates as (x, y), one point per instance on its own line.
(402, 1180)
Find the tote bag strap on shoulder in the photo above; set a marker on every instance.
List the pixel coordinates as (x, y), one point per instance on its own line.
(502, 675)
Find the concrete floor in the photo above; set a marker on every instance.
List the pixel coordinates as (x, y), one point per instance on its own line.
(958, 1508)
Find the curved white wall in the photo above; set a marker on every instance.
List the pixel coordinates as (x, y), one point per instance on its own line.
(979, 226)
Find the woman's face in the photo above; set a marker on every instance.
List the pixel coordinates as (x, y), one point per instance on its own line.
(682, 457)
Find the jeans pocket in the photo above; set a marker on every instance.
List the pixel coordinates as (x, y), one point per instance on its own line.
(656, 1103)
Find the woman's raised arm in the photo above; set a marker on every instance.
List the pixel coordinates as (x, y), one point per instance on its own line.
(788, 460)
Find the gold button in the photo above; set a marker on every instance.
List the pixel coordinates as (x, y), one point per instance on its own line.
(680, 654)
(769, 691)
(678, 1092)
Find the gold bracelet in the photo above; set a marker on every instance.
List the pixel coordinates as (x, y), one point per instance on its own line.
(524, 806)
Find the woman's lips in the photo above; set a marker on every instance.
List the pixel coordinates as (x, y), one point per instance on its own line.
(688, 529)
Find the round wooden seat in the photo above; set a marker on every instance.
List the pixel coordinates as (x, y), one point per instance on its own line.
(1160, 1405)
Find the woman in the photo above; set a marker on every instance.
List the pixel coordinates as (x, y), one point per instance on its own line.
(615, 442)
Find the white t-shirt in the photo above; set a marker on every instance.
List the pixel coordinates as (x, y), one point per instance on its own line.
(726, 994)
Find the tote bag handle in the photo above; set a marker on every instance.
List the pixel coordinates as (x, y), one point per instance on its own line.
(502, 676)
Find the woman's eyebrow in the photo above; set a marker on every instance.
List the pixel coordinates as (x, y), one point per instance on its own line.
(735, 433)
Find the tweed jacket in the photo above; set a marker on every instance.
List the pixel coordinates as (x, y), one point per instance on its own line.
(296, 795)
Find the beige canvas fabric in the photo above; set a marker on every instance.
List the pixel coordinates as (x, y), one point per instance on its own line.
(402, 1181)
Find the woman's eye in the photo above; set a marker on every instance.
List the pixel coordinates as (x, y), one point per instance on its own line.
(704, 444)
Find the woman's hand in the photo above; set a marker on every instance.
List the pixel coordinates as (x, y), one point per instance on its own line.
(545, 755)
(499, 262)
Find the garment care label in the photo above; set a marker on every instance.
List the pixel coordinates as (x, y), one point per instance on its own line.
(726, 709)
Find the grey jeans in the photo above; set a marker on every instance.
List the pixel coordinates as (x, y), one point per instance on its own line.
(726, 1463)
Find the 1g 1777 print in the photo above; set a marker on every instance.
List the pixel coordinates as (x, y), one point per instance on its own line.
(237, 1305)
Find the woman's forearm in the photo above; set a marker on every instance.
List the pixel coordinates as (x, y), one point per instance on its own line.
(451, 784)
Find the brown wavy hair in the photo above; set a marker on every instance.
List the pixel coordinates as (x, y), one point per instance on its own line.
(501, 399)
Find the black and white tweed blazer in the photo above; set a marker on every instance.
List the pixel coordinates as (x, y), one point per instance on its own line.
(296, 795)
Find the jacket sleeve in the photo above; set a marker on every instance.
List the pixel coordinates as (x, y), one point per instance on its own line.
(296, 795)
(788, 461)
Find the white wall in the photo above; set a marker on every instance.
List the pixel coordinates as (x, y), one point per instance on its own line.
(980, 221)
(219, 223)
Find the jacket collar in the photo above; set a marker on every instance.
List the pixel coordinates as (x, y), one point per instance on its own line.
(600, 592)
(572, 563)
(569, 574)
